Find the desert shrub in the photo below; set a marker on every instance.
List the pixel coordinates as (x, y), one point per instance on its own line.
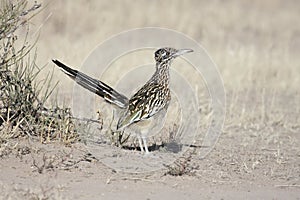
(23, 93)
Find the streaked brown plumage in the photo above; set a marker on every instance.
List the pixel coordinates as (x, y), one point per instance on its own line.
(148, 106)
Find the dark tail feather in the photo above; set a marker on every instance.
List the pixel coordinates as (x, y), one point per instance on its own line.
(94, 85)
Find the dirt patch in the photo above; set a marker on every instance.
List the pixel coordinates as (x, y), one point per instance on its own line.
(256, 46)
(247, 163)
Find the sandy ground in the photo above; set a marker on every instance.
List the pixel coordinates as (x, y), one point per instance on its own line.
(256, 47)
(243, 165)
(248, 162)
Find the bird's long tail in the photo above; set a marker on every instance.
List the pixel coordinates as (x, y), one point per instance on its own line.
(94, 85)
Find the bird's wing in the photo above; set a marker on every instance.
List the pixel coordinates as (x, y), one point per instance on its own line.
(148, 101)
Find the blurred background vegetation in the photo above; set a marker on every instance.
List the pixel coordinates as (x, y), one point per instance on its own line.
(256, 45)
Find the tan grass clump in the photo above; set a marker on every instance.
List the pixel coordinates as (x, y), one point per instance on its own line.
(23, 97)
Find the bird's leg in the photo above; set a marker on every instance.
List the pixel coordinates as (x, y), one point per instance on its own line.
(145, 144)
(140, 143)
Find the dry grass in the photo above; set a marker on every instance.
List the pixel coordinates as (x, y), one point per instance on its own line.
(257, 54)
(256, 47)
(23, 96)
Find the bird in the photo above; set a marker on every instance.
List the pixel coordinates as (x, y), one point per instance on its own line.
(147, 107)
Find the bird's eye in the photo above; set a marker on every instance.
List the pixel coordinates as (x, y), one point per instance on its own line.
(163, 54)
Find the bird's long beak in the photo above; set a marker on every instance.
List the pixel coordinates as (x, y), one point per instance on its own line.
(182, 51)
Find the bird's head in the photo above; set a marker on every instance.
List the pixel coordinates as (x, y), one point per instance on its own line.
(168, 54)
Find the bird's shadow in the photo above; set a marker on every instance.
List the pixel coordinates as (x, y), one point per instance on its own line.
(153, 147)
(172, 147)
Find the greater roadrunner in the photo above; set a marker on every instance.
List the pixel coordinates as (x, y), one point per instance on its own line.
(148, 106)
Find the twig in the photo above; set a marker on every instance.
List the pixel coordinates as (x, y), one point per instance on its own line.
(109, 180)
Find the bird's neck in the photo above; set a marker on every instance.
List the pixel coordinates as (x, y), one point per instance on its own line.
(162, 74)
